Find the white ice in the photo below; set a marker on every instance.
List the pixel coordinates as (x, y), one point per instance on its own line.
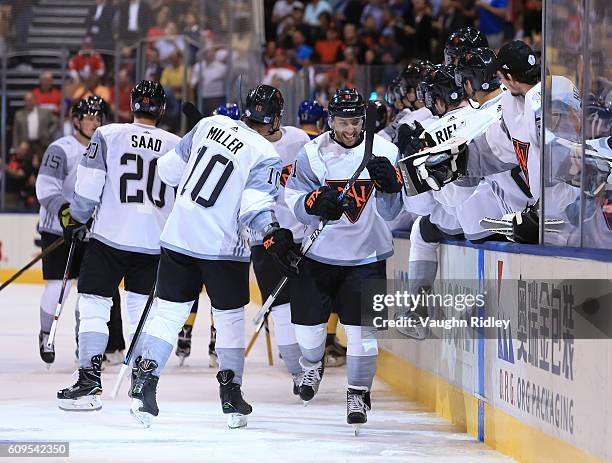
(190, 426)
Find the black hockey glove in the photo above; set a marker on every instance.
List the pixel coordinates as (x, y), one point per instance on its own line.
(409, 139)
(323, 202)
(279, 243)
(386, 177)
(73, 230)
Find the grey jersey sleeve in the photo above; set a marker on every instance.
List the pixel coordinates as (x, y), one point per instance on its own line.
(481, 159)
(298, 186)
(260, 193)
(53, 172)
(171, 165)
(91, 177)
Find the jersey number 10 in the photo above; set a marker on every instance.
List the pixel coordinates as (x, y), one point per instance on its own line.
(138, 197)
(195, 192)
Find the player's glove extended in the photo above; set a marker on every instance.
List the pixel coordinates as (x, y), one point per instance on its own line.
(73, 230)
(386, 177)
(279, 243)
(412, 138)
(323, 202)
(522, 227)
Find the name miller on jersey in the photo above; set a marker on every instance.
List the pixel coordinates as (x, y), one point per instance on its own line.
(217, 133)
(146, 143)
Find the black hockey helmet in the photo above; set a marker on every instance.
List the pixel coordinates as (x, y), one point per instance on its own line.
(264, 104)
(148, 98)
(518, 59)
(91, 106)
(412, 75)
(462, 40)
(346, 102)
(478, 66)
(382, 114)
(443, 85)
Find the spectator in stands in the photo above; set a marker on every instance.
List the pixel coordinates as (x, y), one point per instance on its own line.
(86, 63)
(351, 40)
(283, 13)
(302, 52)
(375, 9)
(269, 54)
(282, 70)
(532, 21)
(368, 35)
(170, 43)
(193, 32)
(175, 75)
(348, 11)
(134, 20)
(123, 111)
(314, 9)
(158, 30)
(328, 50)
(17, 172)
(5, 26)
(492, 19)
(153, 69)
(47, 96)
(419, 31)
(91, 87)
(450, 19)
(208, 79)
(34, 125)
(99, 24)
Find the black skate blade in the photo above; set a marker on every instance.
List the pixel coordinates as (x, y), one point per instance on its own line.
(144, 418)
(82, 404)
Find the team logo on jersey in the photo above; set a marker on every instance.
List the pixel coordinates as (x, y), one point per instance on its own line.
(361, 191)
(521, 149)
(286, 172)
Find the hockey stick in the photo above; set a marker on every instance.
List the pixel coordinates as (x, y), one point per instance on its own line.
(60, 302)
(56, 244)
(130, 352)
(192, 113)
(370, 122)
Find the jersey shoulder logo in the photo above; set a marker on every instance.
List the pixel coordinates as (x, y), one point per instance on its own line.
(286, 172)
(361, 191)
(521, 149)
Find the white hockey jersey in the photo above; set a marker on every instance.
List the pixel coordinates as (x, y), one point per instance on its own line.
(227, 177)
(56, 179)
(289, 145)
(118, 178)
(357, 238)
(404, 117)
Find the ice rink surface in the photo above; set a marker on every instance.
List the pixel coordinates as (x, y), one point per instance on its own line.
(190, 426)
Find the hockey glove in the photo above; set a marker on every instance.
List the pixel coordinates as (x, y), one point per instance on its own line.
(73, 230)
(522, 227)
(323, 202)
(387, 178)
(279, 243)
(412, 139)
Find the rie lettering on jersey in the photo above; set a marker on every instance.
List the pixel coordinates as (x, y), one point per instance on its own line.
(447, 324)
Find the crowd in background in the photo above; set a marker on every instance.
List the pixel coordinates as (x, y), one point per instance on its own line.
(332, 38)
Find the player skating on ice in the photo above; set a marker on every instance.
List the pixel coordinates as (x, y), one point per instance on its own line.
(351, 248)
(227, 177)
(264, 108)
(54, 190)
(117, 178)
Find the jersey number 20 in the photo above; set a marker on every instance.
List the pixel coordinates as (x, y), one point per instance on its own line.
(214, 195)
(138, 197)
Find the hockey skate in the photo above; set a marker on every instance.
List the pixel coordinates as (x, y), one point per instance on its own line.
(357, 405)
(47, 354)
(297, 378)
(213, 360)
(143, 393)
(85, 394)
(335, 353)
(183, 346)
(312, 373)
(232, 402)
(134, 375)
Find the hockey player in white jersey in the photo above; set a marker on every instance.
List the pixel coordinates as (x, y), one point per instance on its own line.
(351, 248)
(462, 40)
(117, 179)
(227, 178)
(403, 93)
(263, 110)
